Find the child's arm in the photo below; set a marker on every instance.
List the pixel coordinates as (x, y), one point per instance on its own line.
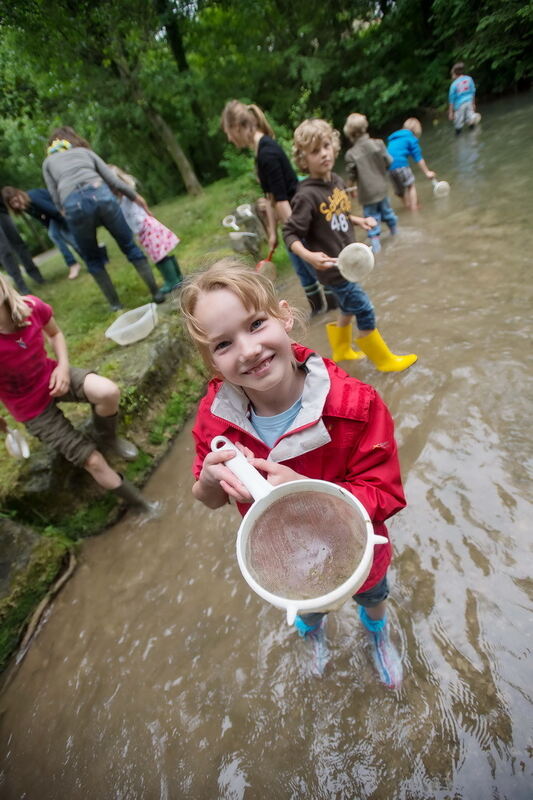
(373, 474)
(415, 151)
(297, 228)
(363, 222)
(216, 482)
(60, 377)
(271, 222)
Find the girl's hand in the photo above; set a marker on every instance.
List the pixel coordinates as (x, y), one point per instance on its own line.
(59, 381)
(430, 174)
(215, 474)
(276, 473)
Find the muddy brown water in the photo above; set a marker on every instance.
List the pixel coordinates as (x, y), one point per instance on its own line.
(158, 674)
(306, 545)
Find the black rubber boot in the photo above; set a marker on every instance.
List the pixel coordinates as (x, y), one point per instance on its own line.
(331, 300)
(132, 496)
(108, 290)
(170, 270)
(105, 436)
(145, 273)
(315, 298)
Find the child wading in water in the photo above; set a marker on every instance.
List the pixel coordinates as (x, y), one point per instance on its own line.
(295, 415)
(31, 385)
(403, 145)
(154, 237)
(318, 229)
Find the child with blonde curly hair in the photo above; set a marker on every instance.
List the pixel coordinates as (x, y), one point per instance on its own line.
(319, 227)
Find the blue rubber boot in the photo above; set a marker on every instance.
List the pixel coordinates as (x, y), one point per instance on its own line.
(313, 632)
(384, 654)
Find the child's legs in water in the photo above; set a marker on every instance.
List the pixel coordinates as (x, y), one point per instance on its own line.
(54, 429)
(380, 211)
(354, 302)
(373, 210)
(410, 198)
(374, 599)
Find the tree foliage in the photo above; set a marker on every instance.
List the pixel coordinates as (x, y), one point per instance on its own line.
(145, 80)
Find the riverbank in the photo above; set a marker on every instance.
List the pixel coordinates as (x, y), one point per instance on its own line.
(47, 506)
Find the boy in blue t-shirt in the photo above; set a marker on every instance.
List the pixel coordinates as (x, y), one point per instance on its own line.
(461, 99)
(402, 145)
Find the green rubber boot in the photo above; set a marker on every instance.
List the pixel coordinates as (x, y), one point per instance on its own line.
(170, 270)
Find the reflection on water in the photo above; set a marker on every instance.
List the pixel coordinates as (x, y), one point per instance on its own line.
(158, 674)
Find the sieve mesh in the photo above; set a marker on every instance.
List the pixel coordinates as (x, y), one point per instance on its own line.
(305, 545)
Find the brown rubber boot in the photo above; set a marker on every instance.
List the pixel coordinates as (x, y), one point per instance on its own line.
(105, 436)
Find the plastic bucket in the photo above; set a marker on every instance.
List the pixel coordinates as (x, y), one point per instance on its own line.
(306, 492)
(133, 325)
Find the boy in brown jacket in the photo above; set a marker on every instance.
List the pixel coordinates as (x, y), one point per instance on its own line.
(320, 226)
(367, 162)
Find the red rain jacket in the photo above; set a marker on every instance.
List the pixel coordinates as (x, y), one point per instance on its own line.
(361, 454)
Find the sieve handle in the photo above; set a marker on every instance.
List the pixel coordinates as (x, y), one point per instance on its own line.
(248, 475)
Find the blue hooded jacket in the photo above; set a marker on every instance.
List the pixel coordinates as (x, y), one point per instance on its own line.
(402, 144)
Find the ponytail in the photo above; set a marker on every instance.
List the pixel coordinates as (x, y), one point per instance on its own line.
(261, 122)
(238, 115)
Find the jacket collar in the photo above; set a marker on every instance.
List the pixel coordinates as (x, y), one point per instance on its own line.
(307, 431)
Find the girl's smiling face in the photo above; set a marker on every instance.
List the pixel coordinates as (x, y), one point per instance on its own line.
(248, 348)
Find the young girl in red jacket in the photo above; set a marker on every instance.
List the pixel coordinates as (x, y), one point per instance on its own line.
(294, 414)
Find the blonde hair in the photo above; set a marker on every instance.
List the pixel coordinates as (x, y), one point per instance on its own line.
(19, 308)
(309, 134)
(355, 126)
(254, 290)
(414, 125)
(248, 118)
(125, 177)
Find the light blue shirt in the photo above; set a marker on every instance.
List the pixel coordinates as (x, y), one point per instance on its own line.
(269, 429)
(461, 91)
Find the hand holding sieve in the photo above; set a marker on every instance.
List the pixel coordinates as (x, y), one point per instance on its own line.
(286, 515)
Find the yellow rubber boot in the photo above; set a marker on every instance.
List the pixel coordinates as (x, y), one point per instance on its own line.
(340, 340)
(380, 355)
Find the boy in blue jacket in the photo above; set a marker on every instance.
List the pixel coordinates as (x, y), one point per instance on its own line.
(402, 145)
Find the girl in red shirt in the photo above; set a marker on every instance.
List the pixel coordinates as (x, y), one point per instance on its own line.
(295, 415)
(31, 385)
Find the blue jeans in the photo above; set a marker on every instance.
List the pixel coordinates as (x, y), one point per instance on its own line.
(62, 238)
(90, 206)
(354, 300)
(305, 271)
(380, 211)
